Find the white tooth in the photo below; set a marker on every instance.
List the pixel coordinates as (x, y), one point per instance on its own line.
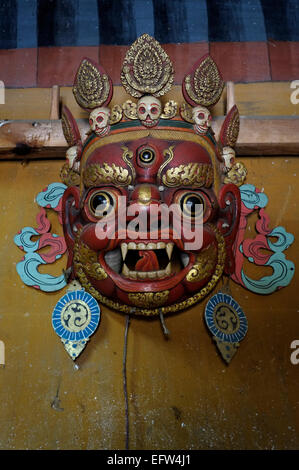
(152, 274)
(160, 245)
(169, 249)
(131, 246)
(125, 270)
(168, 269)
(141, 246)
(141, 275)
(133, 274)
(151, 246)
(184, 259)
(124, 250)
(161, 273)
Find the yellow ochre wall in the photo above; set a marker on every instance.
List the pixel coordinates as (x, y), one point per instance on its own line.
(181, 393)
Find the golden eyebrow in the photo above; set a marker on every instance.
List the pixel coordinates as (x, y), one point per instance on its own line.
(195, 175)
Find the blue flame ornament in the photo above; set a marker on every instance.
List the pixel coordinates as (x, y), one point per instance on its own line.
(75, 318)
(227, 322)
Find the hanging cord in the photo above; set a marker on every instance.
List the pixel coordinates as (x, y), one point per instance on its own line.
(164, 327)
(125, 380)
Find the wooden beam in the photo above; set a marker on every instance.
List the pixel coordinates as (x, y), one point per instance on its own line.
(45, 139)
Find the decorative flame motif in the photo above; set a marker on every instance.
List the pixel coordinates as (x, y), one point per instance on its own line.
(92, 87)
(146, 69)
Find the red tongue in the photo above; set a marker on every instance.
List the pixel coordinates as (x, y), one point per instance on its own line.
(148, 261)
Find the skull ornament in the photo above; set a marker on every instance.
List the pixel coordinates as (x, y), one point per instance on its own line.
(228, 155)
(202, 119)
(99, 121)
(71, 155)
(149, 111)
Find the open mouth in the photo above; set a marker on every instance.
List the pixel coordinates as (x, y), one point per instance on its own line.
(147, 260)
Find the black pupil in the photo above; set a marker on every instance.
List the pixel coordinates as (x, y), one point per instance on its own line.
(100, 203)
(147, 156)
(190, 205)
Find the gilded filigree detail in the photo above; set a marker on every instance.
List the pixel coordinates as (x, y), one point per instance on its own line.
(116, 114)
(194, 175)
(97, 174)
(146, 69)
(236, 175)
(85, 261)
(168, 153)
(170, 110)
(148, 299)
(91, 88)
(204, 264)
(186, 113)
(69, 176)
(205, 85)
(127, 157)
(67, 130)
(130, 109)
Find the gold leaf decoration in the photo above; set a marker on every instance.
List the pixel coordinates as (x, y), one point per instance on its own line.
(69, 176)
(170, 110)
(146, 69)
(92, 88)
(149, 299)
(205, 262)
(97, 174)
(130, 109)
(237, 174)
(230, 128)
(69, 127)
(194, 175)
(186, 113)
(204, 85)
(116, 114)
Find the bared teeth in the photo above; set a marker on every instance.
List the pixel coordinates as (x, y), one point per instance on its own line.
(142, 275)
(169, 249)
(124, 250)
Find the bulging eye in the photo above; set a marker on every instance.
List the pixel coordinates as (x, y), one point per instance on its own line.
(101, 203)
(192, 204)
(142, 110)
(100, 119)
(200, 115)
(154, 110)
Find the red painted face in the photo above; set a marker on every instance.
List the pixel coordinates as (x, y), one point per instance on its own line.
(147, 231)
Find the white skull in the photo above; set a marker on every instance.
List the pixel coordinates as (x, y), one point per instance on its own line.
(99, 121)
(202, 118)
(228, 155)
(149, 110)
(71, 155)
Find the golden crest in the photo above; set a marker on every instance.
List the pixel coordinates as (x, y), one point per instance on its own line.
(230, 128)
(203, 266)
(92, 88)
(146, 69)
(204, 85)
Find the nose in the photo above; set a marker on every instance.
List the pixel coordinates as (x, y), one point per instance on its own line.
(145, 194)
